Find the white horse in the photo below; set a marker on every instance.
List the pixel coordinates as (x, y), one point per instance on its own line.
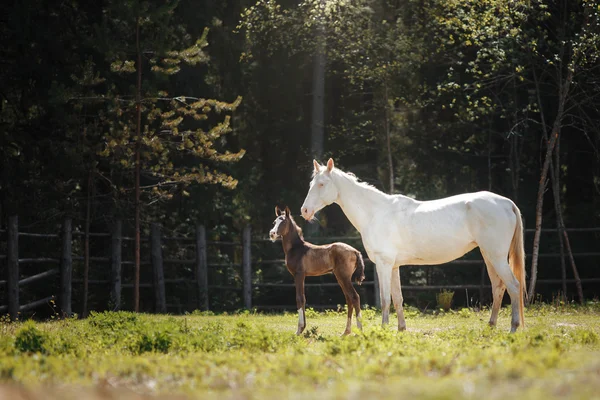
(397, 230)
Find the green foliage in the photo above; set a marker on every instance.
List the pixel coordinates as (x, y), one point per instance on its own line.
(29, 339)
(444, 299)
(259, 354)
(177, 146)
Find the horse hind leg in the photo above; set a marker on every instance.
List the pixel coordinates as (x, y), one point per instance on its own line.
(398, 299)
(498, 290)
(502, 269)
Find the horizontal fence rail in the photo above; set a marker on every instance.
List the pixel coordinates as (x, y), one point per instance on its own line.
(198, 264)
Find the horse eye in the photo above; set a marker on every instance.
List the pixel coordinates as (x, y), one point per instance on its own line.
(320, 185)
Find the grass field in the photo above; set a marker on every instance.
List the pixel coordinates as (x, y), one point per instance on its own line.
(441, 356)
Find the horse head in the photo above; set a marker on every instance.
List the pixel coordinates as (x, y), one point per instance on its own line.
(281, 224)
(322, 191)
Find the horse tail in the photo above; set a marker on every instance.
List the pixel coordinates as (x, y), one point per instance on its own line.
(359, 272)
(517, 261)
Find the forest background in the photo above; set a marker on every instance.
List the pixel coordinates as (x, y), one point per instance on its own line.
(186, 112)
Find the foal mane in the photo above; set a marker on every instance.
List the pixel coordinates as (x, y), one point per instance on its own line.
(298, 229)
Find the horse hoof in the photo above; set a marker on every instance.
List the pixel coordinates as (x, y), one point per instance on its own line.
(401, 328)
(346, 333)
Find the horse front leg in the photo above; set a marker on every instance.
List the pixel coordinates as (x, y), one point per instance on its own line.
(398, 299)
(300, 302)
(384, 274)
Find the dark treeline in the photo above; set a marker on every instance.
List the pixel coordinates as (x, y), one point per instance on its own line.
(214, 110)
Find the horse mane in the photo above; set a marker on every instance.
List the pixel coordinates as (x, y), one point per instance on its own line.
(298, 229)
(352, 177)
(356, 180)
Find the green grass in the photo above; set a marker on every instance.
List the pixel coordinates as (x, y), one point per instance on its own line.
(441, 356)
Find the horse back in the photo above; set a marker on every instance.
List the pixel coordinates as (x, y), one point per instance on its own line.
(319, 260)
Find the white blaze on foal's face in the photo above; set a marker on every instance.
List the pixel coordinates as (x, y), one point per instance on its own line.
(273, 233)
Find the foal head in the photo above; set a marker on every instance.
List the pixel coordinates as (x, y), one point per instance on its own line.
(283, 225)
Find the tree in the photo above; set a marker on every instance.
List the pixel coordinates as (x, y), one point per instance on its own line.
(573, 53)
(166, 140)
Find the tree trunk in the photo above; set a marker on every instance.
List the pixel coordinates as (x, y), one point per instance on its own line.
(562, 233)
(555, 176)
(318, 95)
(115, 261)
(138, 101)
(86, 245)
(556, 127)
(575, 272)
(317, 135)
(66, 269)
(388, 141)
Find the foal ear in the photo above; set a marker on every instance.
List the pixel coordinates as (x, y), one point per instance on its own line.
(287, 211)
(277, 211)
(317, 166)
(330, 165)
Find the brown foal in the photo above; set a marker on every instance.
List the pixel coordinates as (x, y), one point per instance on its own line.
(306, 259)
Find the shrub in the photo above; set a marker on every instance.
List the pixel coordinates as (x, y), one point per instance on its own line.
(155, 341)
(29, 339)
(444, 299)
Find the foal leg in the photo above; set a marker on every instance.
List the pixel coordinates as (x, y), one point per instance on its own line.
(356, 301)
(498, 289)
(346, 285)
(398, 299)
(300, 302)
(354, 298)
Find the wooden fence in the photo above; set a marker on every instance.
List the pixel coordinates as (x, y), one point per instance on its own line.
(200, 265)
(64, 267)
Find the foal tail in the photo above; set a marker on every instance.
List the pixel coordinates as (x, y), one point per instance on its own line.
(359, 273)
(516, 256)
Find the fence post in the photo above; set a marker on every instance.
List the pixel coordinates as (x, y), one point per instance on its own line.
(115, 263)
(157, 270)
(201, 268)
(66, 269)
(376, 288)
(247, 267)
(12, 281)
(481, 284)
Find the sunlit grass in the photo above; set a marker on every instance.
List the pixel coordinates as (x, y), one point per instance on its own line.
(248, 355)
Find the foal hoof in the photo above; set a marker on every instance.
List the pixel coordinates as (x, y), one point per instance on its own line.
(346, 333)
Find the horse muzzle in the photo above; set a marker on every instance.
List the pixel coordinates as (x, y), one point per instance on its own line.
(307, 213)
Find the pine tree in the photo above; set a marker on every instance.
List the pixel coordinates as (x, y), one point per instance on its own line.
(168, 141)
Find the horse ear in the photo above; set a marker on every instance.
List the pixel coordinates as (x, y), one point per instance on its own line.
(277, 211)
(330, 165)
(317, 166)
(287, 211)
